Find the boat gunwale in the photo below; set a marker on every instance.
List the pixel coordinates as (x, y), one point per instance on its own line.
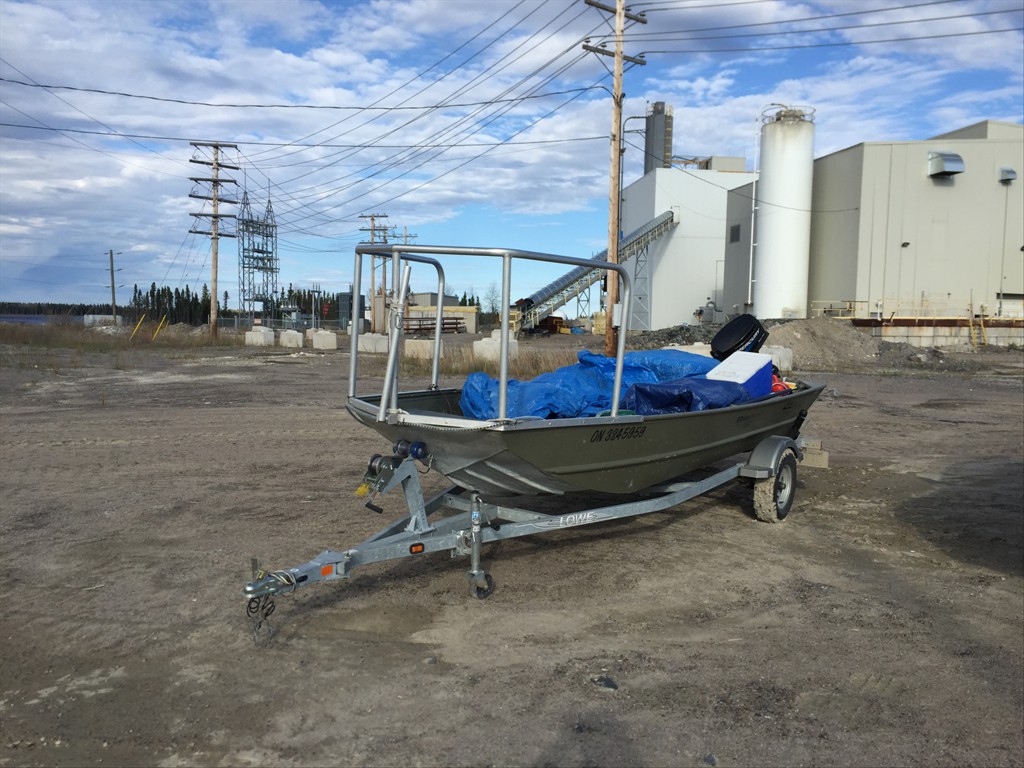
(421, 417)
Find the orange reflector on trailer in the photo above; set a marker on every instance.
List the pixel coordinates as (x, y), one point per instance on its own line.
(416, 549)
(327, 570)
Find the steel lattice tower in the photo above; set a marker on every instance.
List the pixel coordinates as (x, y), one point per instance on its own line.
(257, 258)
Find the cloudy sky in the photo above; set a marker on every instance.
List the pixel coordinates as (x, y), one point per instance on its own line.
(467, 122)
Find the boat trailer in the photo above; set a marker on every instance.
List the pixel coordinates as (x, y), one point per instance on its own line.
(472, 522)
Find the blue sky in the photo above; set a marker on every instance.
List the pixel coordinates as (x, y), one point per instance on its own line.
(468, 122)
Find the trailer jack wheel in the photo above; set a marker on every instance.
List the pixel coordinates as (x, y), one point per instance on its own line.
(773, 496)
(482, 593)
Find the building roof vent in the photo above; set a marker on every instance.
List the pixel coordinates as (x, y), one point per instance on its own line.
(944, 164)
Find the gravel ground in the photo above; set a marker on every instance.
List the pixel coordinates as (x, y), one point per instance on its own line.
(881, 624)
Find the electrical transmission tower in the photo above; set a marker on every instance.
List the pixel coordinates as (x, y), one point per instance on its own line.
(212, 184)
(258, 266)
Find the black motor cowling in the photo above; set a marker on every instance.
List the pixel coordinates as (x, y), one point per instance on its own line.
(741, 334)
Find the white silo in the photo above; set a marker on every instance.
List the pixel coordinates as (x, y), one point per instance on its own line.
(783, 218)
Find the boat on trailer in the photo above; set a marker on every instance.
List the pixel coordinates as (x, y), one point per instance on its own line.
(646, 459)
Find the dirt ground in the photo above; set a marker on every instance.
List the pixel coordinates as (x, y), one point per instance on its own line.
(881, 624)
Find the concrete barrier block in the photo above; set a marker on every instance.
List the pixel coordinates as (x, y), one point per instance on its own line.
(324, 340)
(782, 357)
(421, 348)
(259, 337)
(490, 349)
(364, 327)
(291, 339)
(374, 343)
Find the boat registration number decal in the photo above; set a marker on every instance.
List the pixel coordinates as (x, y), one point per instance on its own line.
(617, 433)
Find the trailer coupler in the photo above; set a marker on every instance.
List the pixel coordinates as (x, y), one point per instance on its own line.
(327, 565)
(260, 592)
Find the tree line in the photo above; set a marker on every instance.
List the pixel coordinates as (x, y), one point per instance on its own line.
(53, 308)
(183, 305)
(180, 305)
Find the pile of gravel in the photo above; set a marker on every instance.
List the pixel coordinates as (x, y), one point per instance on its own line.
(680, 334)
(825, 344)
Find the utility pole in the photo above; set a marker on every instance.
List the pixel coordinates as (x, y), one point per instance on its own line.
(214, 180)
(373, 229)
(621, 14)
(315, 292)
(113, 294)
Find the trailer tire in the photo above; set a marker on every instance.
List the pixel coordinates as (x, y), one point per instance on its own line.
(773, 496)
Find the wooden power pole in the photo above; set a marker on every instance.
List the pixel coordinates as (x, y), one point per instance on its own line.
(621, 14)
(215, 180)
(373, 229)
(113, 291)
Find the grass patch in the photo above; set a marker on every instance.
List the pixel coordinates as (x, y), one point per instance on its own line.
(104, 339)
(461, 362)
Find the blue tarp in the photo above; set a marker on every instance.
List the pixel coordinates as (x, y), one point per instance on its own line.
(583, 389)
(680, 395)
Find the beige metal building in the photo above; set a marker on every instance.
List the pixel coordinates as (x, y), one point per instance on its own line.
(922, 228)
(908, 229)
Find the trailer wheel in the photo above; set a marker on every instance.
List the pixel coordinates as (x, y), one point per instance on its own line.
(481, 593)
(773, 496)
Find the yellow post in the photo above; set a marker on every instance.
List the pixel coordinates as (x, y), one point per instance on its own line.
(137, 326)
(159, 327)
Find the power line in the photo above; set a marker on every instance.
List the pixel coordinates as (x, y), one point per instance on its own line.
(736, 191)
(86, 114)
(396, 159)
(665, 37)
(838, 45)
(334, 107)
(450, 145)
(421, 74)
(420, 164)
(821, 17)
(865, 12)
(677, 4)
(490, 72)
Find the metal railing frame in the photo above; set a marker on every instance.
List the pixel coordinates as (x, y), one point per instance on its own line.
(424, 254)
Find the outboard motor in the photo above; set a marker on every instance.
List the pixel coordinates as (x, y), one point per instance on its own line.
(741, 334)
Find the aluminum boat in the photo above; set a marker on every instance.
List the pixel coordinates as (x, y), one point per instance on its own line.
(617, 453)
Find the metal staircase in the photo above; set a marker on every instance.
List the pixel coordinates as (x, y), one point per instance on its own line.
(570, 285)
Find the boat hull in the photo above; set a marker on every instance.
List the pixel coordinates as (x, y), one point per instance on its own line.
(621, 454)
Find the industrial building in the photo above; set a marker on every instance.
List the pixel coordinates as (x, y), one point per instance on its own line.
(930, 228)
(684, 269)
(905, 232)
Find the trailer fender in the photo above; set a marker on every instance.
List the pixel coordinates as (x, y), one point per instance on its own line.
(764, 459)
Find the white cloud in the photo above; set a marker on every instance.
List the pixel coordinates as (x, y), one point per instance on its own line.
(71, 196)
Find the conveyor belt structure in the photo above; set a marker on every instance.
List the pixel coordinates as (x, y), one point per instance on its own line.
(570, 285)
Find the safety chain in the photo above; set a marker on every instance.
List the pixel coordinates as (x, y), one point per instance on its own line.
(258, 609)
